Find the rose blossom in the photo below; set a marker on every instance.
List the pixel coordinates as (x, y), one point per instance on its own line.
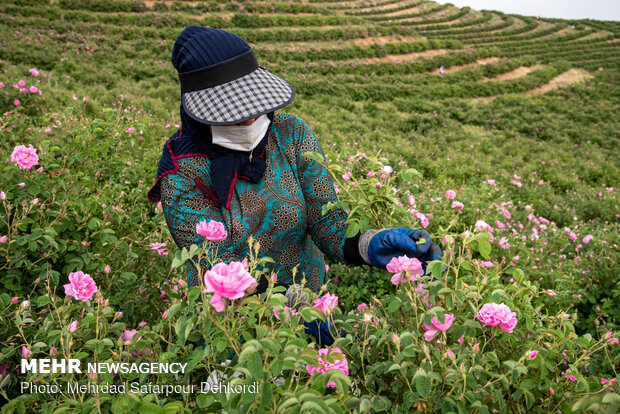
(531, 354)
(587, 239)
(458, 205)
(127, 336)
(436, 326)
(159, 247)
(402, 264)
(326, 303)
(450, 194)
(213, 230)
(34, 72)
(26, 352)
(81, 286)
(227, 281)
(482, 225)
(324, 366)
(492, 314)
(26, 158)
(72, 327)
(423, 219)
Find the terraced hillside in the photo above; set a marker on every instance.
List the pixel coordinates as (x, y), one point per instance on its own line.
(510, 120)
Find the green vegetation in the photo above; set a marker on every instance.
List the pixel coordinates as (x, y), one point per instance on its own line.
(523, 126)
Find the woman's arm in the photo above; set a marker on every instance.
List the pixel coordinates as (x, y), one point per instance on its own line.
(327, 231)
(184, 206)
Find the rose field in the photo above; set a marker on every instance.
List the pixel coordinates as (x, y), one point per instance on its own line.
(498, 134)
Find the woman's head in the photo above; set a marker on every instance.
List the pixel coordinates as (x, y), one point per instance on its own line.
(221, 82)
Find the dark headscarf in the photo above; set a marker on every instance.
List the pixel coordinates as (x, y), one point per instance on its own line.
(194, 139)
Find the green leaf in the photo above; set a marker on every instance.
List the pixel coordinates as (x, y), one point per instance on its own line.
(178, 260)
(529, 399)
(150, 408)
(395, 303)
(353, 229)
(423, 384)
(205, 400)
(255, 365)
(43, 300)
(314, 156)
(485, 248)
(266, 395)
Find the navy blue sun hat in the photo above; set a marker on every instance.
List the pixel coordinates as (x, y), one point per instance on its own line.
(221, 81)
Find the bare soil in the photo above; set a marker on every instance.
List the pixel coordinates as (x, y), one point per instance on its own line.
(479, 62)
(514, 74)
(567, 78)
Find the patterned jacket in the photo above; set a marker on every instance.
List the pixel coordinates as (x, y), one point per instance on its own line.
(283, 211)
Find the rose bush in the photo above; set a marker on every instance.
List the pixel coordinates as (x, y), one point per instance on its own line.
(415, 346)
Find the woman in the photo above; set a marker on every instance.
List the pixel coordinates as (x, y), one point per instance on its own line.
(236, 162)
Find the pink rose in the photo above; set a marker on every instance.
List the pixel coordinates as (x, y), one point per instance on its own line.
(532, 354)
(81, 286)
(3, 239)
(361, 306)
(458, 205)
(106, 269)
(450, 194)
(324, 365)
(326, 303)
(26, 158)
(127, 336)
(34, 72)
(15, 300)
(587, 239)
(401, 265)
(228, 281)
(72, 327)
(423, 219)
(492, 314)
(26, 352)
(159, 247)
(482, 225)
(213, 230)
(436, 326)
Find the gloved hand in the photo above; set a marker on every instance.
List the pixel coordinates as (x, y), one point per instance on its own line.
(378, 247)
(434, 253)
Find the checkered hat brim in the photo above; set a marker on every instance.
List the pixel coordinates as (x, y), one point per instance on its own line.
(252, 95)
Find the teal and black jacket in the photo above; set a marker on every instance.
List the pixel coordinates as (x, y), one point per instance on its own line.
(282, 210)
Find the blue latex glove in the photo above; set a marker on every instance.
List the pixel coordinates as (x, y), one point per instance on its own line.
(434, 253)
(391, 243)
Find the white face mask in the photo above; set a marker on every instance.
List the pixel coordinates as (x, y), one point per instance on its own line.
(241, 137)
